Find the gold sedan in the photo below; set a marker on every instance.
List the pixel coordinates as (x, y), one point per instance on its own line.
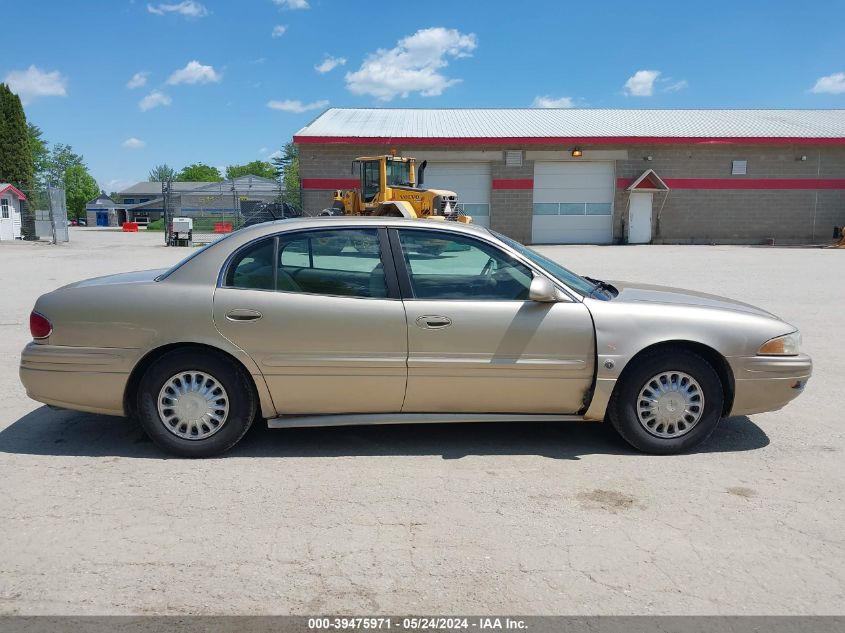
(332, 321)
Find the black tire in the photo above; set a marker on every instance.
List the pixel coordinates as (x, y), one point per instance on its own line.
(239, 389)
(622, 409)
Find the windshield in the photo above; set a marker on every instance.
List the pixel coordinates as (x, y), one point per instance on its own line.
(398, 173)
(576, 282)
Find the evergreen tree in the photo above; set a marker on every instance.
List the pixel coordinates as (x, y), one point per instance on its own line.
(15, 154)
(287, 174)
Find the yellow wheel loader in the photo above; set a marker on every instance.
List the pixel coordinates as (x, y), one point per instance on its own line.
(392, 186)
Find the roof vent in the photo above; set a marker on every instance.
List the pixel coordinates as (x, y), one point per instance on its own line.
(739, 167)
(513, 158)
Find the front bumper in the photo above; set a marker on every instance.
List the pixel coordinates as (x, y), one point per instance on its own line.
(768, 383)
(89, 379)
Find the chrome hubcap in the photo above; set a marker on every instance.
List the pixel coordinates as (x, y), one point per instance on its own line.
(193, 405)
(670, 404)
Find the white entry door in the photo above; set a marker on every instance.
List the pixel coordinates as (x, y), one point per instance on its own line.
(573, 203)
(7, 230)
(639, 218)
(472, 183)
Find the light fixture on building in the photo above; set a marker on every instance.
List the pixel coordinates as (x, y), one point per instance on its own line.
(649, 157)
(393, 151)
(576, 152)
(803, 158)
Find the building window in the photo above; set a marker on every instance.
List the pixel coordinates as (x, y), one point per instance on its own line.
(129, 201)
(4, 208)
(739, 167)
(141, 200)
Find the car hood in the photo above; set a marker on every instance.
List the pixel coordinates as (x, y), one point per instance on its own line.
(120, 278)
(644, 293)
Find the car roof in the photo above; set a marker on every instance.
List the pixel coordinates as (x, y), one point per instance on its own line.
(332, 222)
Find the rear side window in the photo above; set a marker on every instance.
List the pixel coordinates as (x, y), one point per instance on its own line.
(343, 263)
(252, 268)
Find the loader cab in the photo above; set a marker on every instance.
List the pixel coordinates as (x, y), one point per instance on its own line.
(379, 173)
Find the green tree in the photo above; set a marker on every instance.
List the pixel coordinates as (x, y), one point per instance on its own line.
(15, 155)
(255, 168)
(199, 172)
(162, 173)
(40, 151)
(80, 187)
(62, 158)
(287, 174)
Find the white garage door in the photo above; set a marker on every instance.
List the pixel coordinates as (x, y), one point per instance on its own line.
(471, 181)
(573, 203)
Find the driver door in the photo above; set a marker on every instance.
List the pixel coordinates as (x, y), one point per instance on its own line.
(476, 343)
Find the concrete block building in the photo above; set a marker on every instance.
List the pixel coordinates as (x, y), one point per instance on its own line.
(605, 176)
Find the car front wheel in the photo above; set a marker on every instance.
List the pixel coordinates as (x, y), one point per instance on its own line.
(669, 401)
(195, 404)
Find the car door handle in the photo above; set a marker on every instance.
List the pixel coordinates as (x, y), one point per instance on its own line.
(433, 322)
(243, 314)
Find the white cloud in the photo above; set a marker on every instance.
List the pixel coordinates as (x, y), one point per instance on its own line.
(133, 143)
(294, 105)
(189, 9)
(138, 80)
(676, 85)
(412, 65)
(279, 30)
(194, 73)
(553, 102)
(276, 154)
(153, 100)
(832, 84)
(33, 82)
(641, 83)
(293, 4)
(329, 63)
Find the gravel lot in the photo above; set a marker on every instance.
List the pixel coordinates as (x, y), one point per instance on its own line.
(509, 518)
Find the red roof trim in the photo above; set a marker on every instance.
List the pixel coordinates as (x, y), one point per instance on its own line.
(513, 183)
(745, 183)
(17, 191)
(567, 140)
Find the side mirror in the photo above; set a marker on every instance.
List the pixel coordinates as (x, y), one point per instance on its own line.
(542, 290)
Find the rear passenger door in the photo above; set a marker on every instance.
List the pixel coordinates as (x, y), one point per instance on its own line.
(320, 313)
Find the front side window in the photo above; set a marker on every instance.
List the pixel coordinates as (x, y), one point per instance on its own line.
(4, 208)
(445, 266)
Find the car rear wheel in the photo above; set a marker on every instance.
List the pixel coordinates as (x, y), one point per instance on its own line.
(669, 401)
(195, 404)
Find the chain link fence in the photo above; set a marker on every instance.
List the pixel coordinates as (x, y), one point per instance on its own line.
(204, 215)
(43, 215)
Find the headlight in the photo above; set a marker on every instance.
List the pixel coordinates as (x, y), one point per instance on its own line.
(786, 345)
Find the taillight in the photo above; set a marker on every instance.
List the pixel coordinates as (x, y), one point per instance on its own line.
(39, 325)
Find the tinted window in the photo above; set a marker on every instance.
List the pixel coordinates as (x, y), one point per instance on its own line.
(252, 268)
(343, 262)
(443, 266)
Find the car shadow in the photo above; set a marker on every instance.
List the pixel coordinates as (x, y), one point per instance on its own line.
(47, 431)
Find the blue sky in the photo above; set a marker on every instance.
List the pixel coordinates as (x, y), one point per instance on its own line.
(227, 82)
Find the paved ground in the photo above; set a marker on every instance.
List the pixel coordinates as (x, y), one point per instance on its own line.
(529, 519)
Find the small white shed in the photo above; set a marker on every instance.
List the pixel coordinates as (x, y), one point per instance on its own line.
(10, 211)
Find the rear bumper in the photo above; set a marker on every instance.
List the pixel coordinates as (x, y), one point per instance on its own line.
(768, 383)
(81, 378)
